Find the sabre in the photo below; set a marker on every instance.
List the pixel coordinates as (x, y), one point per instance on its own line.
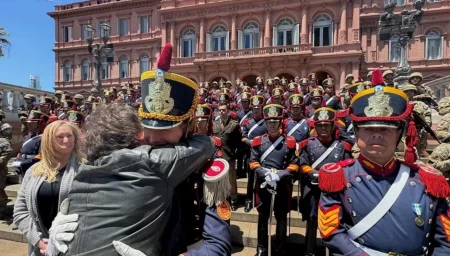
(272, 202)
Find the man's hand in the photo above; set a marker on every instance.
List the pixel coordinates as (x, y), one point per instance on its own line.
(270, 176)
(42, 245)
(125, 250)
(63, 227)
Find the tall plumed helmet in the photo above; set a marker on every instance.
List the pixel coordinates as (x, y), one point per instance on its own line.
(168, 99)
(377, 78)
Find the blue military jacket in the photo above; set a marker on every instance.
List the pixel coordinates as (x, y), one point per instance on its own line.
(247, 126)
(352, 189)
(301, 133)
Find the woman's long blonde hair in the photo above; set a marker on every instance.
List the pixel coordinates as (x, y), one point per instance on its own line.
(49, 165)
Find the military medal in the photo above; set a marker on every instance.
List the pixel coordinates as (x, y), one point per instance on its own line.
(417, 209)
(224, 210)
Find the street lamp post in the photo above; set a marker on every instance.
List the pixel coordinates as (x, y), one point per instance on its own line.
(405, 25)
(99, 51)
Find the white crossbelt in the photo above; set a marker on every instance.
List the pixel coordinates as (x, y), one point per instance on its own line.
(271, 148)
(254, 127)
(244, 117)
(372, 252)
(349, 128)
(383, 207)
(295, 128)
(325, 154)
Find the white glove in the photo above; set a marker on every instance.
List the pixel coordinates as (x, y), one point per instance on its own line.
(125, 250)
(270, 176)
(63, 228)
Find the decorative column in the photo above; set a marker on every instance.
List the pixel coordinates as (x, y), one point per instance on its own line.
(304, 29)
(5, 103)
(15, 101)
(201, 47)
(233, 32)
(163, 33)
(343, 28)
(355, 68)
(343, 66)
(356, 25)
(267, 29)
(336, 32)
(172, 32)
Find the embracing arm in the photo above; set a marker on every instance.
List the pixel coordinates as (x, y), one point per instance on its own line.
(21, 213)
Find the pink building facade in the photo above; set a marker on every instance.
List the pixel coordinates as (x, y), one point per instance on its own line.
(231, 39)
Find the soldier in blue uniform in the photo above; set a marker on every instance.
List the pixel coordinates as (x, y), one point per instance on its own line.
(251, 128)
(324, 147)
(269, 88)
(274, 162)
(377, 204)
(316, 98)
(296, 125)
(244, 112)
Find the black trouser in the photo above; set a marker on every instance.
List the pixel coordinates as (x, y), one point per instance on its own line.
(250, 176)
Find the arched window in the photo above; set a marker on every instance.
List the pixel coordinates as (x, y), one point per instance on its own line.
(433, 45)
(394, 48)
(123, 66)
(144, 64)
(188, 45)
(251, 36)
(322, 30)
(399, 2)
(285, 32)
(104, 70)
(67, 71)
(220, 38)
(85, 69)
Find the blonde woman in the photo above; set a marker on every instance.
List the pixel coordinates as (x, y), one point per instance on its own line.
(46, 184)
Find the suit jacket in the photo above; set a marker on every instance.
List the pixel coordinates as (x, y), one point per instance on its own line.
(230, 134)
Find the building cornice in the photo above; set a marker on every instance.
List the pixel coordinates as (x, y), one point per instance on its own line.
(99, 8)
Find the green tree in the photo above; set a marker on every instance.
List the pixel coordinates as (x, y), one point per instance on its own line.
(4, 43)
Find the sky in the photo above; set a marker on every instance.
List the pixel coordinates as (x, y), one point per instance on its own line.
(32, 39)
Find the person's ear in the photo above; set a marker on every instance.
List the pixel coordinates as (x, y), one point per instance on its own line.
(140, 135)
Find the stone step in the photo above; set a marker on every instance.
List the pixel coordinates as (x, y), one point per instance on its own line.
(246, 234)
(12, 190)
(242, 183)
(7, 233)
(252, 217)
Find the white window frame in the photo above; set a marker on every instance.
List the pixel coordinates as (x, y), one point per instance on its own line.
(84, 32)
(85, 70)
(285, 25)
(104, 70)
(394, 40)
(123, 67)
(144, 64)
(218, 33)
(123, 27)
(68, 37)
(67, 72)
(434, 35)
(321, 21)
(190, 37)
(143, 23)
(251, 30)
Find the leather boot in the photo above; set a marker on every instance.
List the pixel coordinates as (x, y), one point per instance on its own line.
(249, 199)
(248, 205)
(234, 204)
(310, 237)
(263, 240)
(281, 236)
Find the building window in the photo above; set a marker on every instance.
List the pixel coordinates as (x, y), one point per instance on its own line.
(285, 32)
(67, 71)
(84, 32)
(100, 32)
(123, 27)
(219, 36)
(399, 2)
(322, 30)
(67, 34)
(433, 45)
(251, 35)
(394, 48)
(104, 70)
(144, 24)
(123, 66)
(188, 45)
(85, 70)
(143, 64)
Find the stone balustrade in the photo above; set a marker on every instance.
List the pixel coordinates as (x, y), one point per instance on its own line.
(13, 96)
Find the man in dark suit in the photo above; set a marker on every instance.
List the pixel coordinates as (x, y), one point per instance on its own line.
(229, 131)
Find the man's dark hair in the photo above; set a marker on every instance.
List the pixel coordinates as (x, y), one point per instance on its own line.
(109, 128)
(224, 104)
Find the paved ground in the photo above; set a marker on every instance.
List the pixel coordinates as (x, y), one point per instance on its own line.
(10, 248)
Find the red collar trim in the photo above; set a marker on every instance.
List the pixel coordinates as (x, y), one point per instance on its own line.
(385, 170)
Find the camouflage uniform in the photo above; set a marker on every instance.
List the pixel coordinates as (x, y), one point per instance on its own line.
(443, 127)
(425, 111)
(5, 151)
(440, 159)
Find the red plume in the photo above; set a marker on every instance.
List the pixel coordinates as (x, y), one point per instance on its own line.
(377, 78)
(165, 58)
(359, 79)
